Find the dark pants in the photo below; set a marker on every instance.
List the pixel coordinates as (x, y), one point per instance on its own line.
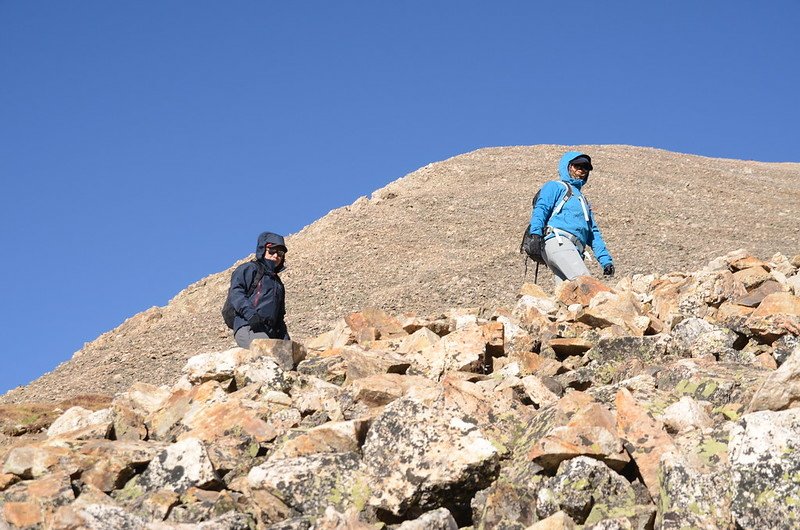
(244, 336)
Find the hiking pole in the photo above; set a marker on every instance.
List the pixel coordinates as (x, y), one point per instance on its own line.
(536, 274)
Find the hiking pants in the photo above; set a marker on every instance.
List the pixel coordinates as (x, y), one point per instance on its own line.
(563, 259)
(244, 336)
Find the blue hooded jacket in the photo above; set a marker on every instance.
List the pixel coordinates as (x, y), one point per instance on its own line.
(572, 217)
(269, 297)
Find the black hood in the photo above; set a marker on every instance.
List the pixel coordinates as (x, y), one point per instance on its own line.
(271, 239)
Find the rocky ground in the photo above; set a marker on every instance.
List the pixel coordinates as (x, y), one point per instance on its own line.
(447, 235)
(663, 401)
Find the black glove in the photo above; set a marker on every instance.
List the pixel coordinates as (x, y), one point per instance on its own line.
(533, 247)
(256, 322)
(608, 270)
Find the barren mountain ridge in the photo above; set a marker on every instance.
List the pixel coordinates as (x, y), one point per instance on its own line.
(448, 235)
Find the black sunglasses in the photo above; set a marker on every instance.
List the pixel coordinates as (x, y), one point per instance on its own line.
(584, 167)
(280, 253)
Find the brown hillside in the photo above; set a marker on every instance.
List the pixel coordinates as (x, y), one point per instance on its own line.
(447, 235)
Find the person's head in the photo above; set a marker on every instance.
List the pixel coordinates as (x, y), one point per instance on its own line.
(574, 167)
(271, 247)
(580, 167)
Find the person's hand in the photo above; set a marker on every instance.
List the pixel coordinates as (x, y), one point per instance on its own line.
(534, 247)
(608, 270)
(256, 322)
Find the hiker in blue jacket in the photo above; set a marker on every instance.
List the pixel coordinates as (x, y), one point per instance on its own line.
(562, 229)
(260, 315)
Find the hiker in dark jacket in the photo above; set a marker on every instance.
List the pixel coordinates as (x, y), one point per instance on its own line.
(562, 230)
(260, 316)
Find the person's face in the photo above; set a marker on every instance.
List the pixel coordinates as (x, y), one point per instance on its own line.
(275, 254)
(579, 171)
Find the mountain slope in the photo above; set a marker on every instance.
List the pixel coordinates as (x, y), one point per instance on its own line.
(448, 235)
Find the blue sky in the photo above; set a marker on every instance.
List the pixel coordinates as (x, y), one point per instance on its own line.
(143, 145)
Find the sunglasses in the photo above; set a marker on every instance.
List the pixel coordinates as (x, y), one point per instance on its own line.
(584, 167)
(280, 253)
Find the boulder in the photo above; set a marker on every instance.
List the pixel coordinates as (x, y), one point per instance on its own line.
(589, 492)
(733, 316)
(439, 519)
(263, 371)
(180, 466)
(96, 517)
(780, 389)
(695, 337)
(696, 489)
(143, 398)
(115, 461)
(461, 350)
(215, 366)
(649, 349)
(581, 290)
(80, 423)
(32, 502)
(382, 389)
(288, 354)
(510, 502)
(363, 363)
(328, 366)
(706, 380)
(752, 277)
(765, 465)
(330, 437)
(768, 318)
(35, 461)
(384, 326)
(558, 521)
(341, 335)
(310, 394)
(349, 520)
(589, 431)
(757, 295)
(646, 437)
(540, 393)
(230, 430)
(492, 404)
(785, 347)
(163, 423)
(418, 341)
(615, 309)
(309, 484)
(533, 363)
(686, 414)
(418, 457)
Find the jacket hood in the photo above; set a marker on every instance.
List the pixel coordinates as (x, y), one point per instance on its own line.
(271, 239)
(563, 168)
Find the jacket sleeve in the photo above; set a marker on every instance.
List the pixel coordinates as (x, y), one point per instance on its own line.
(283, 332)
(240, 280)
(598, 245)
(543, 209)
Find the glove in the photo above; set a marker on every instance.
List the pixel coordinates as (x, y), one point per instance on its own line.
(256, 322)
(608, 270)
(533, 248)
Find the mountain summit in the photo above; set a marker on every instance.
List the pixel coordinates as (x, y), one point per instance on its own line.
(447, 235)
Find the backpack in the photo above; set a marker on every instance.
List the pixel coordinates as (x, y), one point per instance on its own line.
(228, 311)
(526, 236)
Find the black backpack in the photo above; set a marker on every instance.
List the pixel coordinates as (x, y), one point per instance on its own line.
(526, 236)
(228, 311)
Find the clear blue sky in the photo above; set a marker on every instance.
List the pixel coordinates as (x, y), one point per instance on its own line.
(143, 145)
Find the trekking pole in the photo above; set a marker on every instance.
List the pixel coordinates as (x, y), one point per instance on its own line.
(536, 274)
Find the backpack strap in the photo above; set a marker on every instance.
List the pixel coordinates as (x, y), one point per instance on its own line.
(260, 271)
(567, 196)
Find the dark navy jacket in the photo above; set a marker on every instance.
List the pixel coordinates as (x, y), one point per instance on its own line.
(268, 298)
